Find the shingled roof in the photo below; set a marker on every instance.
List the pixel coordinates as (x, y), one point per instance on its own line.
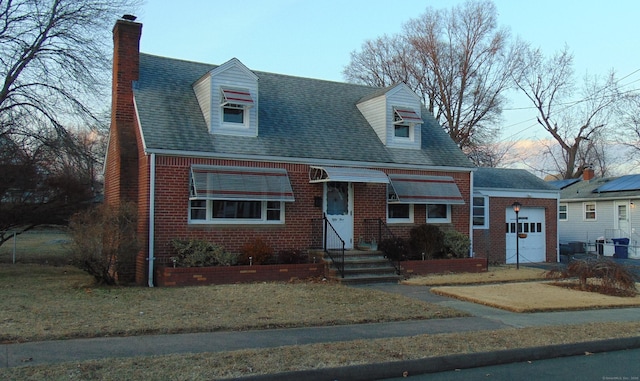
(300, 119)
(512, 179)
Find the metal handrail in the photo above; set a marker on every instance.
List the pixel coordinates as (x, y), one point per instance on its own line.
(333, 242)
(383, 232)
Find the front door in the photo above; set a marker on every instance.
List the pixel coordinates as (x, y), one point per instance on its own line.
(338, 207)
(622, 219)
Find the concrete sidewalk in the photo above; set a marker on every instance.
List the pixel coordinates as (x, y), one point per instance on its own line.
(484, 318)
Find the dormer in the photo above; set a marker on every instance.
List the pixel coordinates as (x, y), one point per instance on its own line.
(395, 115)
(228, 98)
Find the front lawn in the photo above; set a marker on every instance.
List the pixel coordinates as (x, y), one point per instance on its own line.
(45, 303)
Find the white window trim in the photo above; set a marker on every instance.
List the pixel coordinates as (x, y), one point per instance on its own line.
(245, 117)
(237, 221)
(566, 211)
(400, 220)
(584, 211)
(486, 212)
(445, 220)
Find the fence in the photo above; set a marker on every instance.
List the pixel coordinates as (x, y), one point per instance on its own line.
(43, 246)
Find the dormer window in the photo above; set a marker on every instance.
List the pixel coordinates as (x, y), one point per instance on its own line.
(235, 104)
(402, 131)
(404, 120)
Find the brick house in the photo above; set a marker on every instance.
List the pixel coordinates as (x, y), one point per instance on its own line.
(229, 154)
(495, 190)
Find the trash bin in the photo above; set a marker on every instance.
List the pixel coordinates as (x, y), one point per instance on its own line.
(578, 247)
(621, 247)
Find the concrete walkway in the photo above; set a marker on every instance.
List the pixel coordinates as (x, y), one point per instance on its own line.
(484, 318)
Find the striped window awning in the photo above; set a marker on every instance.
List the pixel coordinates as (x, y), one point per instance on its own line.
(405, 116)
(236, 97)
(415, 189)
(343, 174)
(240, 183)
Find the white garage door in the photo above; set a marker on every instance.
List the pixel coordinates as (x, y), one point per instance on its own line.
(531, 248)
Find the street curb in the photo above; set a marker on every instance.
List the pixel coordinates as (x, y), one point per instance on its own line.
(396, 369)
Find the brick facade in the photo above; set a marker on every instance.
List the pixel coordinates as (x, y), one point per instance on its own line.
(172, 205)
(491, 243)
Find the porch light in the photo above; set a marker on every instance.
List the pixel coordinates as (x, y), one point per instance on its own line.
(516, 208)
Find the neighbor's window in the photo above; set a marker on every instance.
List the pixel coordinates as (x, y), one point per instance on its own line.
(480, 208)
(589, 211)
(562, 212)
(438, 213)
(230, 212)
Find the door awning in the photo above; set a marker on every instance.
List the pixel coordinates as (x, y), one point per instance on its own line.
(240, 183)
(343, 174)
(415, 189)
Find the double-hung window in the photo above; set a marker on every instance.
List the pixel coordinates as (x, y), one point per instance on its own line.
(589, 211)
(563, 212)
(233, 195)
(480, 208)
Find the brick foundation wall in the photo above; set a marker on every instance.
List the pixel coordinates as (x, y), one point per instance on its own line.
(193, 276)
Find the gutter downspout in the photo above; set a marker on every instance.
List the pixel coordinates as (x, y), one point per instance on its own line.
(152, 193)
(558, 229)
(471, 251)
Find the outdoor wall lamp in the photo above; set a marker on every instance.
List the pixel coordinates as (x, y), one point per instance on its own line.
(516, 208)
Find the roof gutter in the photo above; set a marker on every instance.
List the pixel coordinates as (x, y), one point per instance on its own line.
(306, 160)
(152, 193)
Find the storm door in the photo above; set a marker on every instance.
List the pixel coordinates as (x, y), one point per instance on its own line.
(338, 207)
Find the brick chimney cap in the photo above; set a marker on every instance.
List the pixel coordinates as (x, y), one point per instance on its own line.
(129, 17)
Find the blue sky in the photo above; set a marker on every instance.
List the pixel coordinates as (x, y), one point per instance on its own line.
(314, 38)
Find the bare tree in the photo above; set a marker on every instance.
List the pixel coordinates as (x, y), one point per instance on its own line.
(457, 60)
(54, 73)
(577, 126)
(389, 60)
(629, 124)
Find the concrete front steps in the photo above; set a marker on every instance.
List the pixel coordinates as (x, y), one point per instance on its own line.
(363, 266)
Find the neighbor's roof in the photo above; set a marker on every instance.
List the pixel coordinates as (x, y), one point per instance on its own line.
(299, 118)
(504, 178)
(603, 188)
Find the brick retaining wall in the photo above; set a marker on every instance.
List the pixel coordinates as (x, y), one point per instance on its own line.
(440, 266)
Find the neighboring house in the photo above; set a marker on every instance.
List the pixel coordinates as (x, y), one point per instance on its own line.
(600, 209)
(495, 190)
(228, 154)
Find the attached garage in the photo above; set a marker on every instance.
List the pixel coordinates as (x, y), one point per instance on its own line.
(495, 228)
(531, 246)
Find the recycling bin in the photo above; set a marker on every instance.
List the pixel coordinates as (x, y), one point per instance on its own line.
(621, 247)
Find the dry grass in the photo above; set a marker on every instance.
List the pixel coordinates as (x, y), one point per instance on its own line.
(534, 297)
(495, 274)
(207, 366)
(44, 303)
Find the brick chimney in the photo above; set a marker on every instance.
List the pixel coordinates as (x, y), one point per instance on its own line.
(121, 169)
(588, 173)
